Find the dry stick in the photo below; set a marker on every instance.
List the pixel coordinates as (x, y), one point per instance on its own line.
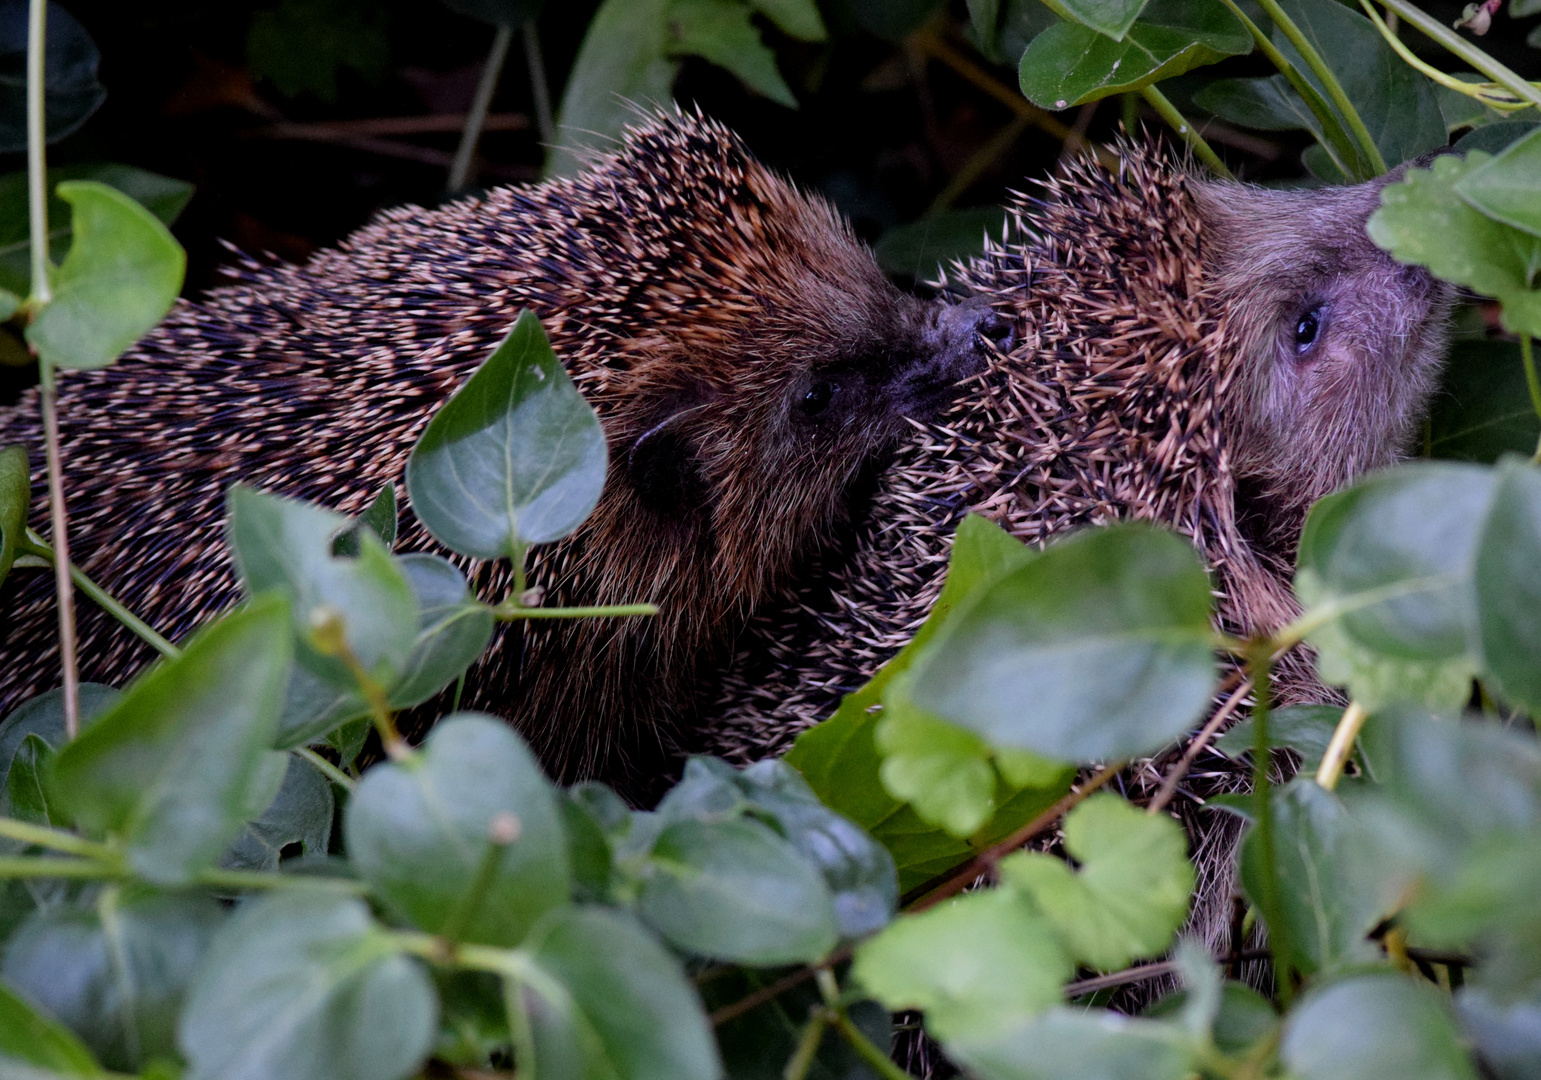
(776, 989)
(42, 293)
(460, 169)
(1169, 785)
(985, 861)
(539, 89)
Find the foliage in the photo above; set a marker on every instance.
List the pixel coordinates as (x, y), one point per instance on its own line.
(203, 880)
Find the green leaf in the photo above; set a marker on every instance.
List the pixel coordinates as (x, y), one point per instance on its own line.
(920, 248)
(720, 31)
(515, 458)
(940, 769)
(1329, 902)
(286, 544)
(168, 767)
(607, 1001)
(421, 832)
(15, 498)
(301, 45)
(43, 716)
(1392, 555)
(1072, 1042)
(1268, 104)
(1483, 409)
(1496, 137)
(1070, 65)
(121, 276)
(892, 20)
(1110, 18)
(1375, 1026)
(795, 18)
(623, 59)
(379, 517)
(161, 195)
(1508, 586)
(1305, 729)
(1507, 188)
(1130, 892)
(28, 1036)
(303, 984)
(26, 795)
(589, 854)
(736, 891)
(1504, 1031)
(1098, 649)
(115, 971)
(975, 965)
(70, 60)
(1423, 220)
(299, 814)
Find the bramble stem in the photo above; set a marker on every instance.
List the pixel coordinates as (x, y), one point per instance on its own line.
(1341, 746)
(1433, 28)
(460, 167)
(1367, 148)
(34, 545)
(1180, 124)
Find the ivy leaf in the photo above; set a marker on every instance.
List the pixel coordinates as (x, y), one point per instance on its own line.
(974, 965)
(1130, 893)
(121, 276)
(1424, 220)
(169, 766)
(365, 1013)
(515, 458)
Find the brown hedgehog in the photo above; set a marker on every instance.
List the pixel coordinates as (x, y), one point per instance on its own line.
(748, 359)
(1206, 355)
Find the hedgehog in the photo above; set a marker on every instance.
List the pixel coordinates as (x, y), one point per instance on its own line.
(748, 360)
(1198, 353)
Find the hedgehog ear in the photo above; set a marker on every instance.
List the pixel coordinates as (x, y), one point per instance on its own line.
(664, 470)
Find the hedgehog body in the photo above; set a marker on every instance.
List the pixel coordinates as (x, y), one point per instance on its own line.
(746, 356)
(1157, 375)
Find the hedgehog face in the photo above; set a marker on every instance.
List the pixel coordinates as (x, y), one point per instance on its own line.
(1341, 344)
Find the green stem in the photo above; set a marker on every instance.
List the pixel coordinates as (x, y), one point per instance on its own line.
(880, 1062)
(510, 610)
(34, 545)
(807, 1046)
(460, 168)
(32, 866)
(1179, 124)
(327, 769)
(57, 839)
(215, 878)
(1433, 28)
(1335, 138)
(1341, 746)
(1367, 148)
(1259, 661)
(1528, 358)
(487, 870)
(37, 167)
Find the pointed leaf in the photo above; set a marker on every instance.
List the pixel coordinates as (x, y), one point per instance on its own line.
(169, 766)
(515, 458)
(15, 498)
(721, 31)
(28, 1036)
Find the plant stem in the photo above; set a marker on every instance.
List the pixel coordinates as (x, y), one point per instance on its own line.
(215, 878)
(1341, 746)
(540, 90)
(1483, 92)
(1179, 124)
(327, 769)
(880, 1062)
(61, 544)
(460, 168)
(1528, 358)
(34, 866)
(510, 610)
(807, 1046)
(1259, 661)
(1169, 785)
(486, 871)
(37, 167)
(1335, 139)
(57, 839)
(1368, 151)
(35, 546)
(1433, 28)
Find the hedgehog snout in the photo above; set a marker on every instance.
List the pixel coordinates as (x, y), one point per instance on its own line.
(961, 331)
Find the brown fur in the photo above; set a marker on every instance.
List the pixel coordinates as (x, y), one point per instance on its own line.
(695, 297)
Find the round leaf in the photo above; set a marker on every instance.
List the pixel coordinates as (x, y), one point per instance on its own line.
(419, 832)
(1381, 1026)
(1098, 649)
(735, 891)
(1073, 1042)
(300, 813)
(515, 458)
(303, 986)
(121, 276)
(169, 766)
(1508, 188)
(1508, 586)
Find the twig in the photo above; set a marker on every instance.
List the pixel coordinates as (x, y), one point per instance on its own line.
(795, 978)
(539, 89)
(1201, 740)
(985, 861)
(460, 168)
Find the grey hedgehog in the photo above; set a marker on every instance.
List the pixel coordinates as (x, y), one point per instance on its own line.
(749, 362)
(1202, 354)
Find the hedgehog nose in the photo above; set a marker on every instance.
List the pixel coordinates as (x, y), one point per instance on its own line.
(963, 325)
(997, 330)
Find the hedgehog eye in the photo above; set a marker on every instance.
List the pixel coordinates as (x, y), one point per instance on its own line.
(1307, 329)
(818, 397)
